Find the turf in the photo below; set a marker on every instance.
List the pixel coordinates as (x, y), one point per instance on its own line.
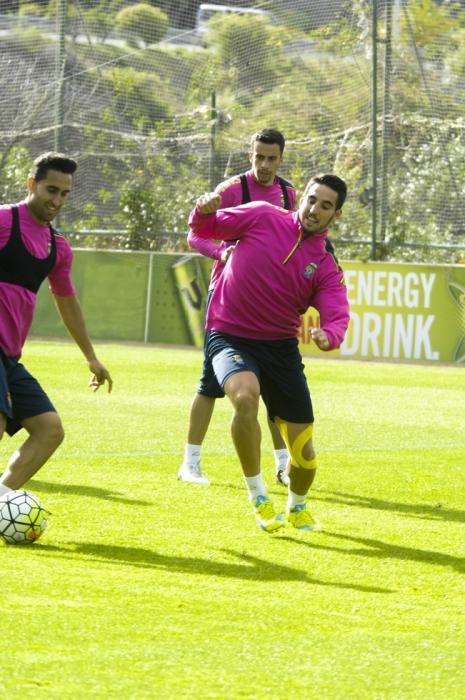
(146, 587)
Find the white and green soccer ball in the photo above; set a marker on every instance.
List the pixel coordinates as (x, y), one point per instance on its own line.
(22, 517)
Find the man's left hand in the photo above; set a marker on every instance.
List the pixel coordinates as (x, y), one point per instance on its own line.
(100, 375)
(320, 338)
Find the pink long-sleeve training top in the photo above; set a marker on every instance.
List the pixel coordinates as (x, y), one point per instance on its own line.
(273, 276)
(231, 196)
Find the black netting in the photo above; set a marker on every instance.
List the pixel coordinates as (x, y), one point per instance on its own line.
(158, 108)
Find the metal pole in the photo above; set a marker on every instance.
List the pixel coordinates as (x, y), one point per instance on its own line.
(387, 121)
(374, 124)
(212, 167)
(59, 74)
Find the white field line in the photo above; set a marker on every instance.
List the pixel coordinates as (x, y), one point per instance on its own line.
(72, 454)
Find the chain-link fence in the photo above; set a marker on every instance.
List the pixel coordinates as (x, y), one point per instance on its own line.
(158, 104)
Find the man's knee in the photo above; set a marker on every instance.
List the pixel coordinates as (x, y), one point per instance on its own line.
(55, 429)
(46, 426)
(245, 401)
(243, 391)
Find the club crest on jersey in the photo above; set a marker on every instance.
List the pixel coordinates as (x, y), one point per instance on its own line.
(309, 270)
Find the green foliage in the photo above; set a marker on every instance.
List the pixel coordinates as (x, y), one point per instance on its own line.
(14, 168)
(334, 102)
(437, 167)
(152, 207)
(30, 8)
(247, 48)
(141, 97)
(29, 40)
(142, 21)
(455, 59)
(100, 20)
(433, 24)
(71, 11)
(138, 105)
(345, 35)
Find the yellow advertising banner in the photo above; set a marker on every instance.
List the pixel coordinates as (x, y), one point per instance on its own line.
(401, 312)
(192, 289)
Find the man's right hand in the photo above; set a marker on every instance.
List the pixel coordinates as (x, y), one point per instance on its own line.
(226, 253)
(208, 203)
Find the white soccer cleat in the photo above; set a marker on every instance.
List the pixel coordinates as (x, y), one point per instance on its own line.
(192, 473)
(282, 477)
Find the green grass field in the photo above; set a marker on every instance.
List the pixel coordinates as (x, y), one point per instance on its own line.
(146, 587)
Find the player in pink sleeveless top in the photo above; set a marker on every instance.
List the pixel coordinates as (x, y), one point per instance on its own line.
(31, 250)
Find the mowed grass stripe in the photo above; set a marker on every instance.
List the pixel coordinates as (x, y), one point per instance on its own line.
(143, 586)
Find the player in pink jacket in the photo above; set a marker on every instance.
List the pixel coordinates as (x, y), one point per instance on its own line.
(260, 183)
(31, 250)
(279, 268)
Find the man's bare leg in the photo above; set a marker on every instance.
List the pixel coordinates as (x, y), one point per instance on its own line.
(302, 472)
(199, 420)
(281, 455)
(45, 435)
(243, 390)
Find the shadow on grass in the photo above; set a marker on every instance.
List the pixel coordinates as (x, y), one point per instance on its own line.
(251, 569)
(377, 549)
(84, 490)
(418, 510)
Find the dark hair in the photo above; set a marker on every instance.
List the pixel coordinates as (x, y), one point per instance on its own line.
(52, 161)
(334, 183)
(269, 136)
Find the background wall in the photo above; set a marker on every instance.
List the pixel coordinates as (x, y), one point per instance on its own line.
(407, 312)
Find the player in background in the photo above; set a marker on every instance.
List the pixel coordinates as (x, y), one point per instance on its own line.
(30, 251)
(279, 268)
(260, 183)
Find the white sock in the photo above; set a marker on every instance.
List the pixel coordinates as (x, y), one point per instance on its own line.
(192, 454)
(281, 458)
(255, 486)
(295, 499)
(4, 489)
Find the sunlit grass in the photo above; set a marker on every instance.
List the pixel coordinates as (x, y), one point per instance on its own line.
(146, 587)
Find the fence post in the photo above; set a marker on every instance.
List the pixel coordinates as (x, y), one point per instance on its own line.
(374, 124)
(212, 175)
(60, 70)
(148, 301)
(387, 121)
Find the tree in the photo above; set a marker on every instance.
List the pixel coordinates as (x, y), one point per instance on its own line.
(156, 199)
(143, 22)
(248, 49)
(32, 101)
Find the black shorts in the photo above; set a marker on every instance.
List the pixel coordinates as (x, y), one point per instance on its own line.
(21, 396)
(276, 363)
(208, 383)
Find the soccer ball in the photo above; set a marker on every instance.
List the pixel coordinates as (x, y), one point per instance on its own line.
(22, 518)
